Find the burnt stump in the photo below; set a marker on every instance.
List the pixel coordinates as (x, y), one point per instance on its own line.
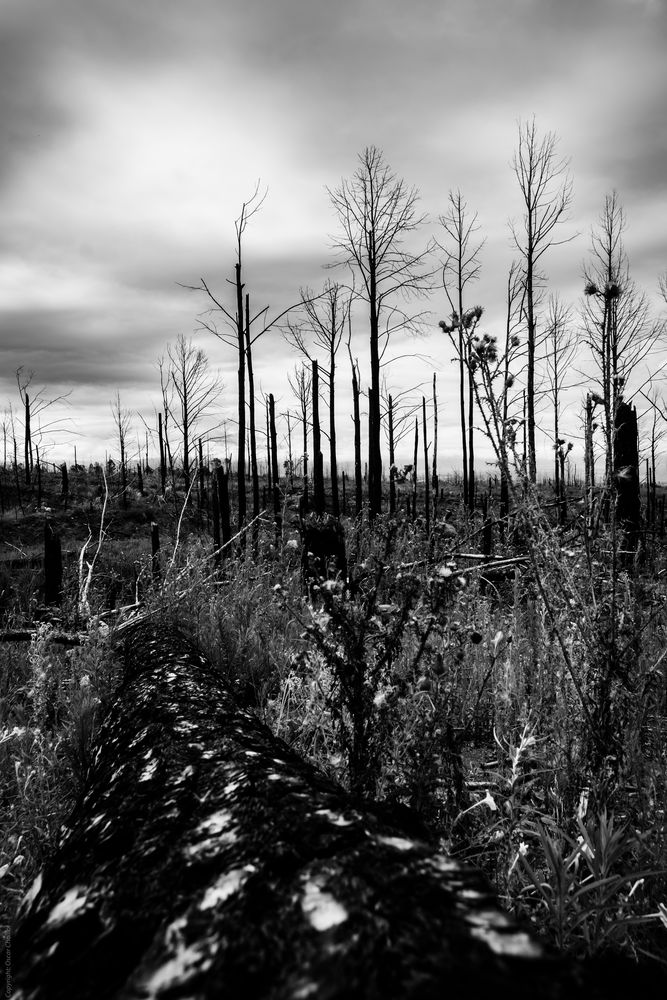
(208, 860)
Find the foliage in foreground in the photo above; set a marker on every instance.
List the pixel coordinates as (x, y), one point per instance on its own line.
(490, 709)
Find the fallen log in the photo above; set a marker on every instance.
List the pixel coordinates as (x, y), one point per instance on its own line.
(207, 860)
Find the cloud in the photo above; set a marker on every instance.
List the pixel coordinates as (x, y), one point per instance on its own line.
(130, 134)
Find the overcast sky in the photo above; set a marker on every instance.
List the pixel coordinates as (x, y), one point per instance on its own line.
(131, 132)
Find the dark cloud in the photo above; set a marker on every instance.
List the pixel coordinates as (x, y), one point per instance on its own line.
(130, 133)
(31, 114)
(66, 348)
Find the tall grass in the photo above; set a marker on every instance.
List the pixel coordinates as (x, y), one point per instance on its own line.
(524, 720)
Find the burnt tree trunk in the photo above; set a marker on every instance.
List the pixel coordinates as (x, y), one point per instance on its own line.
(206, 859)
(333, 457)
(414, 469)
(318, 462)
(427, 511)
(163, 456)
(252, 430)
(277, 515)
(626, 474)
(27, 441)
(64, 489)
(392, 459)
(53, 565)
(203, 496)
(358, 483)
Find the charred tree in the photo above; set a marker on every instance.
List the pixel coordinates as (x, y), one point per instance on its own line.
(356, 418)
(207, 859)
(318, 463)
(53, 565)
(376, 213)
(427, 511)
(392, 458)
(626, 475)
(275, 475)
(546, 191)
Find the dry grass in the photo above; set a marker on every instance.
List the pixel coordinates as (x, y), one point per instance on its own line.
(525, 722)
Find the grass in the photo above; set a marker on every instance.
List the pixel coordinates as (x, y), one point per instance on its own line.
(525, 721)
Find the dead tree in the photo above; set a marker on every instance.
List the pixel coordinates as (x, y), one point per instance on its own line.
(356, 418)
(207, 859)
(196, 389)
(33, 407)
(122, 419)
(301, 385)
(461, 266)
(275, 478)
(318, 463)
(325, 318)
(546, 192)
(376, 213)
(53, 565)
(323, 553)
(242, 332)
(616, 318)
(626, 474)
(560, 354)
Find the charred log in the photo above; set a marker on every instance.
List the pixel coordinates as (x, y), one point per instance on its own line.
(323, 555)
(206, 860)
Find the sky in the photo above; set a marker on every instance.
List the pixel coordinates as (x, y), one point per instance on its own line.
(132, 132)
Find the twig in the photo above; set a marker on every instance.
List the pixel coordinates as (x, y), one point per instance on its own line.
(84, 607)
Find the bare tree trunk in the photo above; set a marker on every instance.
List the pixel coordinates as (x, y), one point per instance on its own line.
(16, 477)
(186, 442)
(537, 170)
(335, 507)
(53, 565)
(426, 489)
(626, 475)
(274, 467)
(64, 489)
(462, 411)
(240, 467)
(414, 469)
(434, 479)
(123, 470)
(163, 457)
(27, 441)
(358, 479)
(269, 478)
(203, 497)
(374, 452)
(376, 211)
(304, 418)
(471, 441)
(39, 478)
(531, 337)
(392, 460)
(588, 451)
(251, 412)
(318, 465)
(556, 393)
(290, 456)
